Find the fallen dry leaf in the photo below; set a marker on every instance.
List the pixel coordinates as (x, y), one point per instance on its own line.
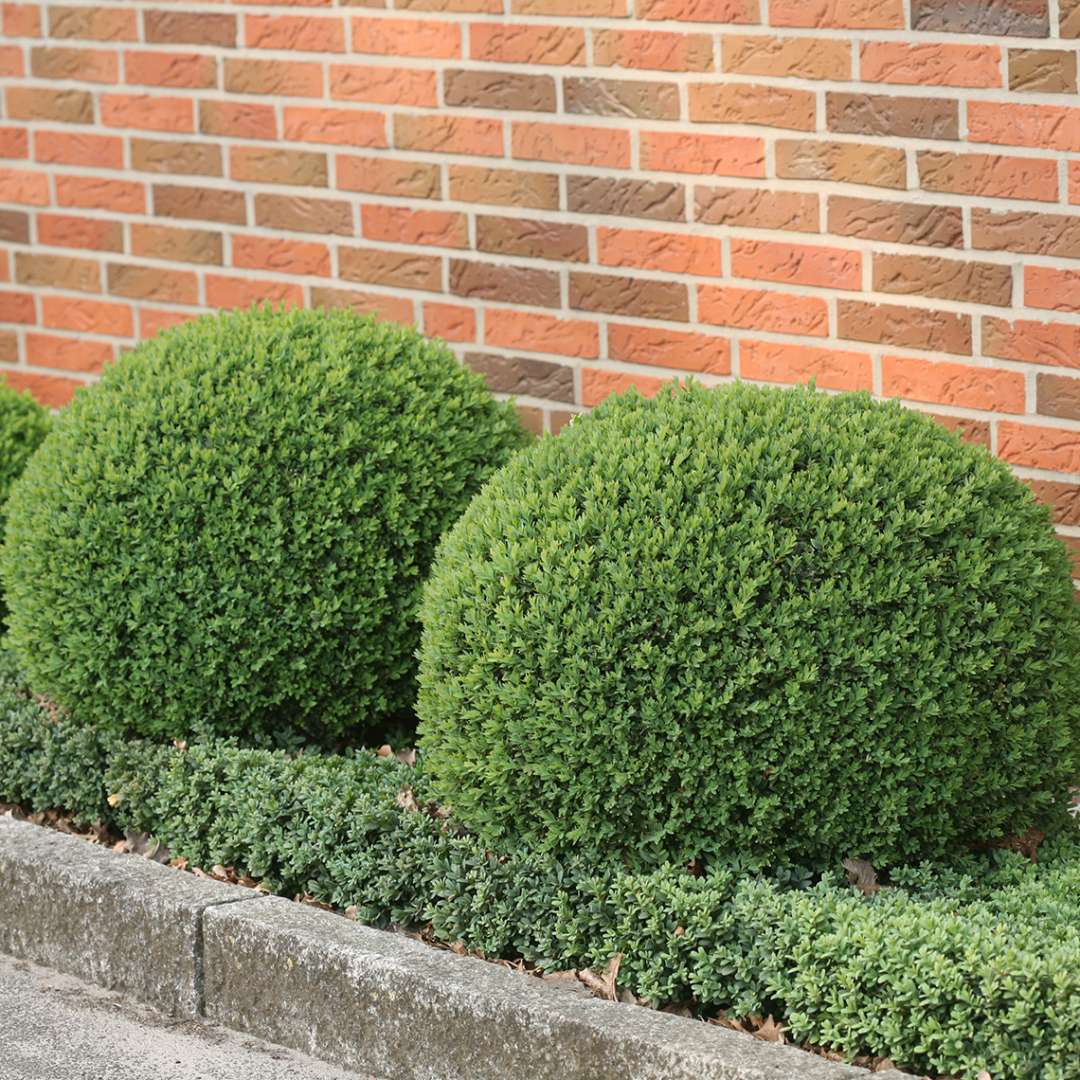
(405, 800)
(768, 1030)
(862, 875)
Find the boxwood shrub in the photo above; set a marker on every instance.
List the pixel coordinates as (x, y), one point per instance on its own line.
(951, 969)
(23, 425)
(229, 531)
(751, 620)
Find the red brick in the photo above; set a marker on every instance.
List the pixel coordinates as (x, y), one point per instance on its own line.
(660, 347)
(87, 316)
(991, 175)
(965, 385)
(673, 253)
(281, 256)
(1046, 127)
(930, 64)
(384, 85)
(597, 385)
(750, 103)
(230, 292)
(449, 322)
(304, 33)
(64, 230)
(54, 391)
(838, 14)
(1039, 447)
(428, 38)
(148, 113)
(14, 142)
(824, 267)
(524, 43)
(17, 307)
(541, 333)
(81, 148)
(1048, 287)
(68, 354)
(390, 176)
(153, 321)
(391, 308)
(23, 186)
(707, 11)
(762, 309)
(425, 228)
(21, 20)
(1032, 342)
(343, 127)
(571, 143)
(96, 193)
(191, 71)
(715, 155)
(830, 369)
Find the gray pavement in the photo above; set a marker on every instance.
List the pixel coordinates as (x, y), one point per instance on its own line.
(53, 1027)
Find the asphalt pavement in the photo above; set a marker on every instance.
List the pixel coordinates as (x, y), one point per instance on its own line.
(53, 1027)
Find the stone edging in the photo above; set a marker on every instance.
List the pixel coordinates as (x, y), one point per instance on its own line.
(379, 1003)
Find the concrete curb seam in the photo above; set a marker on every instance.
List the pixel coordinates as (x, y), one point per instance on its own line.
(363, 999)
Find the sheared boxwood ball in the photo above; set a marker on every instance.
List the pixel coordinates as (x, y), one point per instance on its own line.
(229, 531)
(23, 425)
(757, 621)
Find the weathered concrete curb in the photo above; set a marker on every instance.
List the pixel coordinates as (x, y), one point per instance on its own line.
(367, 1000)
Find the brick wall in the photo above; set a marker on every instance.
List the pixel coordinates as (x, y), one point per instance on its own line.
(579, 194)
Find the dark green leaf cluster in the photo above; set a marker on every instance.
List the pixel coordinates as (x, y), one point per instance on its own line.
(750, 620)
(23, 426)
(228, 533)
(955, 970)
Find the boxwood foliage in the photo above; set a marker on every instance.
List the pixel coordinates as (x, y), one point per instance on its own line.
(229, 531)
(951, 969)
(751, 620)
(23, 425)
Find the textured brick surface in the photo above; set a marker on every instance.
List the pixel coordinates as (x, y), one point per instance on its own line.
(579, 195)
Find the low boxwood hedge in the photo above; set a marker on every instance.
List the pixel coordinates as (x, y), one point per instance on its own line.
(955, 970)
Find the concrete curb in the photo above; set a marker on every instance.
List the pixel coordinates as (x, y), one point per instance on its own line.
(364, 999)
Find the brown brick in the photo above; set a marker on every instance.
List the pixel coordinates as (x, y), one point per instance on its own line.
(995, 176)
(188, 158)
(653, 199)
(532, 239)
(1024, 231)
(745, 103)
(507, 284)
(57, 272)
(190, 28)
(269, 165)
(902, 117)
(841, 162)
(1070, 18)
(297, 213)
(976, 432)
(1045, 71)
(151, 283)
(393, 308)
(907, 327)
(95, 23)
(622, 97)
(786, 57)
(757, 208)
(63, 106)
(396, 269)
(637, 296)
(242, 119)
(1063, 499)
(524, 377)
(88, 65)
(287, 77)
(1020, 18)
(201, 204)
(499, 90)
(896, 222)
(1058, 395)
(389, 176)
(180, 245)
(14, 227)
(945, 279)
(504, 187)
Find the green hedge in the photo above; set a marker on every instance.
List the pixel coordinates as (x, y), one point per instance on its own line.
(958, 970)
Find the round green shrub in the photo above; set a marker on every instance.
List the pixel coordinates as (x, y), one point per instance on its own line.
(757, 621)
(228, 533)
(23, 425)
